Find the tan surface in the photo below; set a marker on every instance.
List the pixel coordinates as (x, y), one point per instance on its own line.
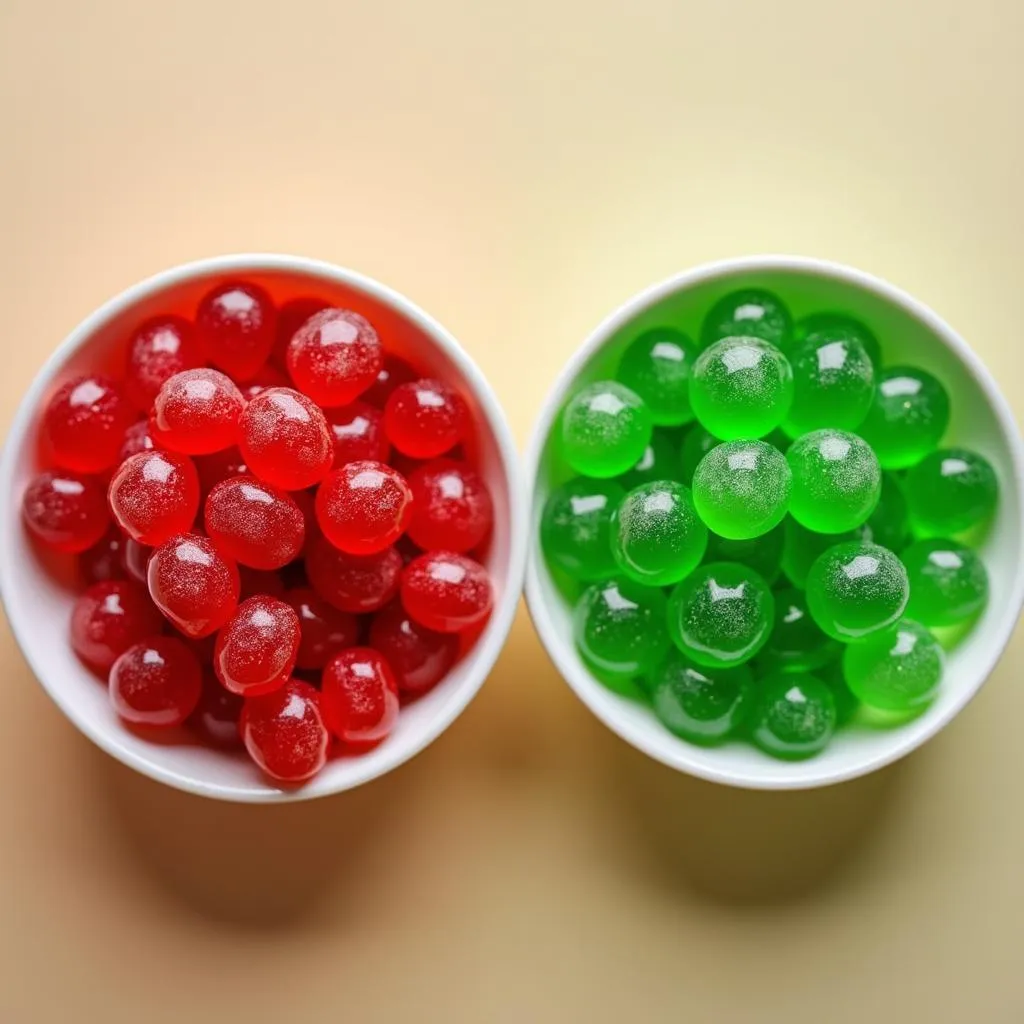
(518, 169)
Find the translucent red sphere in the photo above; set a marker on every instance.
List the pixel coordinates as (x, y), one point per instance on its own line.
(364, 507)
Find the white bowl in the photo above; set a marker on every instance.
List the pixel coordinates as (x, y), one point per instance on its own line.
(38, 604)
(981, 420)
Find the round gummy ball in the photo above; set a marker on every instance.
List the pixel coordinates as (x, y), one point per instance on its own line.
(156, 683)
(721, 615)
(284, 732)
(257, 525)
(605, 429)
(697, 443)
(235, 326)
(159, 348)
(335, 356)
(795, 716)
(797, 643)
(833, 386)
(325, 630)
(446, 592)
(907, 418)
(66, 511)
(836, 480)
(948, 582)
(290, 317)
(741, 388)
(85, 423)
(257, 647)
(751, 313)
(897, 669)
(575, 527)
(660, 461)
(826, 328)
(359, 697)
(358, 432)
(425, 418)
(196, 412)
(741, 489)
(763, 554)
(364, 507)
(155, 495)
(950, 491)
(109, 618)
(801, 547)
(419, 657)
(451, 507)
(657, 537)
(657, 367)
(352, 583)
(285, 439)
(856, 588)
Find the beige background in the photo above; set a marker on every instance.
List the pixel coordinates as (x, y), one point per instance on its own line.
(519, 169)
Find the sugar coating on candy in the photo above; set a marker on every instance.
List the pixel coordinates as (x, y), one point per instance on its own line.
(109, 618)
(352, 583)
(948, 582)
(364, 507)
(358, 432)
(856, 588)
(702, 705)
(801, 547)
(657, 367)
(749, 312)
(656, 535)
(605, 429)
(285, 439)
(104, 560)
(660, 461)
(721, 615)
(158, 349)
(257, 647)
(575, 527)
(419, 657)
(907, 418)
(833, 385)
(795, 716)
(741, 388)
(257, 525)
(425, 418)
(889, 524)
(898, 669)
(154, 495)
(290, 317)
(137, 438)
(235, 327)
(335, 356)
(220, 466)
(950, 491)
(66, 511)
(447, 592)
(826, 328)
(741, 489)
(696, 444)
(193, 584)
(837, 480)
(393, 373)
(196, 412)
(324, 629)
(797, 643)
(284, 732)
(156, 683)
(84, 423)
(359, 696)
(763, 554)
(452, 508)
(217, 713)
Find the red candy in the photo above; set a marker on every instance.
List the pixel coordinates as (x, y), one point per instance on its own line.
(359, 697)
(137, 438)
(216, 716)
(363, 507)
(105, 559)
(256, 649)
(352, 583)
(109, 618)
(325, 630)
(446, 592)
(158, 350)
(258, 581)
(419, 657)
(285, 439)
(358, 431)
(156, 683)
(155, 495)
(255, 523)
(66, 511)
(290, 317)
(136, 560)
(452, 508)
(284, 732)
(335, 356)
(395, 371)
(235, 326)
(425, 418)
(193, 584)
(85, 423)
(196, 412)
(269, 377)
(212, 469)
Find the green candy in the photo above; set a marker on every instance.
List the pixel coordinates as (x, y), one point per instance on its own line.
(899, 669)
(889, 525)
(855, 589)
(795, 716)
(907, 418)
(741, 489)
(846, 703)
(605, 429)
(763, 554)
(751, 313)
(826, 328)
(801, 547)
(697, 443)
(950, 491)
(833, 386)
(797, 643)
(721, 615)
(658, 462)
(948, 582)
(657, 537)
(657, 367)
(701, 705)
(575, 527)
(741, 388)
(836, 481)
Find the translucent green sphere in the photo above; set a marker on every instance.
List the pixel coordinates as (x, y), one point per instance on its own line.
(797, 643)
(836, 480)
(950, 491)
(801, 547)
(741, 388)
(660, 461)
(855, 589)
(948, 582)
(899, 669)
(763, 554)
(657, 537)
(741, 489)
(605, 429)
(575, 527)
(750, 313)
(846, 703)
(889, 524)
(721, 615)
(696, 444)
(826, 328)
(702, 705)
(907, 418)
(657, 367)
(795, 716)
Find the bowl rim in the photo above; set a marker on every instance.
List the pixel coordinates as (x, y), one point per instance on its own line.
(488, 646)
(583, 684)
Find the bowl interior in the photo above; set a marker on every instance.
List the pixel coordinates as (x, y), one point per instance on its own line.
(980, 420)
(39, 599)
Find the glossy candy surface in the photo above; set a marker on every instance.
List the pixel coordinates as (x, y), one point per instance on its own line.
(66, 511)
(419, 657)
(451, 507)
(335, 356)
(833, 385)
(85, 422)
(948, 582)
(257, 647)
(235, 327)
(446, 592)
(950, 491)
(254, 523)
(156, 683)
(352, 583)
(284, 732)
(763, 554)
(196, 412)
(605, 429)
(797, 642)
(827, 328)
(154, 495)
(749, 312)
(324, 629)
(660, 461)
(795, 716)
(656, 366)
(696, 444)
(359, 696)
(159, 348)
(109, 618)
(358, 432)
(364, 507)
(907, 418)
(575, 527)
(897, 669)
(425, 418)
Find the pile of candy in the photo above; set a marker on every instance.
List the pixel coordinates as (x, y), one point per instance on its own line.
(329, 582)
(764, 571)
